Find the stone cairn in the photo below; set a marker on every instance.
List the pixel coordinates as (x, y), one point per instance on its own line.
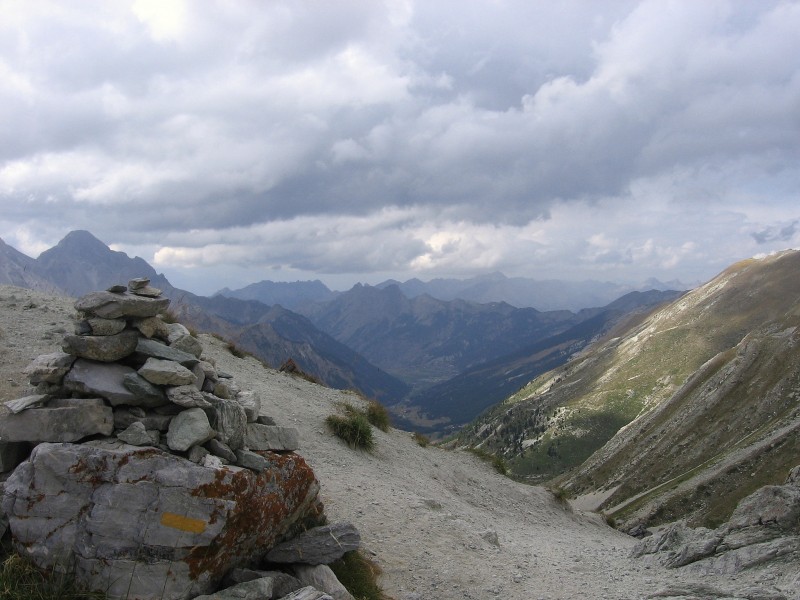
(145, 472)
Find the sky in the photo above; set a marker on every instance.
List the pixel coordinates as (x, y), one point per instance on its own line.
(231, 141)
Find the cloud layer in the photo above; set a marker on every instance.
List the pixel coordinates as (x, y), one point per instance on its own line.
(253, 140)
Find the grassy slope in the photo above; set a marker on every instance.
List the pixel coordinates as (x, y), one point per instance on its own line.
(566, 416)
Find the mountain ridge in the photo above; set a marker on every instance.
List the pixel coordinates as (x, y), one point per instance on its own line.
(715, 371)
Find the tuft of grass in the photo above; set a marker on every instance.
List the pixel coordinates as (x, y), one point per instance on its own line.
(420, 438)
(498, 462)
(20, 580)
(359, 575)
(353, 428)
(378, 415)
(560, 494)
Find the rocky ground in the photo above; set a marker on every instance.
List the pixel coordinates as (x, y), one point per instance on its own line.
(441, 524)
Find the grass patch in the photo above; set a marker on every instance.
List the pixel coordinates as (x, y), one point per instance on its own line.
(421, 439)
(560, 494)
(497, 462)
(378, 415)
(354, 429)
(20, 580)
(359, 575)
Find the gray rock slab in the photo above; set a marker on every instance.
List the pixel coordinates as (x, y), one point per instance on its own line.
(271, 437)
(307, 593)
(189, 428)
(155, 349)
(93, 378)
(17, 405)
(49, 368)
(145, 393)
(317, 546)
(100, 326)
(282, 583)
(220, 449)
(257, 589)
(151, 327)
(251, 460)
(166, 372)
(137, 435)
(188, 344)
(112, 306)
(229, 420)
(59, 424)
(124, 417)
(251, 402)
(322, 578)
(175, 331)
(187, 396)
(105, 348)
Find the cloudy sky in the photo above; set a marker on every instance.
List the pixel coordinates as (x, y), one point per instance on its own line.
(231, 141)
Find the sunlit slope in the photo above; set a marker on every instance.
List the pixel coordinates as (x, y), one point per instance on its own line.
(709, 383)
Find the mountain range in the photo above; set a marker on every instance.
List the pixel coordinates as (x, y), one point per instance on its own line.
(421, 349)
(520, 292)
(677, 415)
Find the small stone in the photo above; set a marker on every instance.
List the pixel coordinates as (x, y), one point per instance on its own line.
(197, 454)
(49, 368)
(220, 449)
(151, 327)
(144, 392)
(166, 372)
(317, 546)
(187, 396)
(99, 326)
(137, 435)
(152, 348)
(106, 348)
(251, 402)
(188, 344)
(189, 428)
(251, 460)
(138, 283)
(20, 404)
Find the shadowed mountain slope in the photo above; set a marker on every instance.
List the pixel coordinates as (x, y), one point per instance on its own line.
(680, 415)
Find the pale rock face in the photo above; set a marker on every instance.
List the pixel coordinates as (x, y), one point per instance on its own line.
(141, 523)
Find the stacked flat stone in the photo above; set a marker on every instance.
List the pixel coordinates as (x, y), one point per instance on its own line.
(153, 474)
(129, 373)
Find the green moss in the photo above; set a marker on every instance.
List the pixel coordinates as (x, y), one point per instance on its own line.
(359, 575)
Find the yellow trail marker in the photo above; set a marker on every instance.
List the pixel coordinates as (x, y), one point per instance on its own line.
(183, 523)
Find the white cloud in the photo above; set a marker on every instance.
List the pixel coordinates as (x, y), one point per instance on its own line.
(410, 137)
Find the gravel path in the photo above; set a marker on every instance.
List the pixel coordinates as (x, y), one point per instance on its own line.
(441, 524)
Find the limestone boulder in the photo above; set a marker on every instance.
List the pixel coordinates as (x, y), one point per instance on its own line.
(141, 523)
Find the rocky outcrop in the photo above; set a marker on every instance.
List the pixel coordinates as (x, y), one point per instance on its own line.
(764, 527)
(152, 475)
